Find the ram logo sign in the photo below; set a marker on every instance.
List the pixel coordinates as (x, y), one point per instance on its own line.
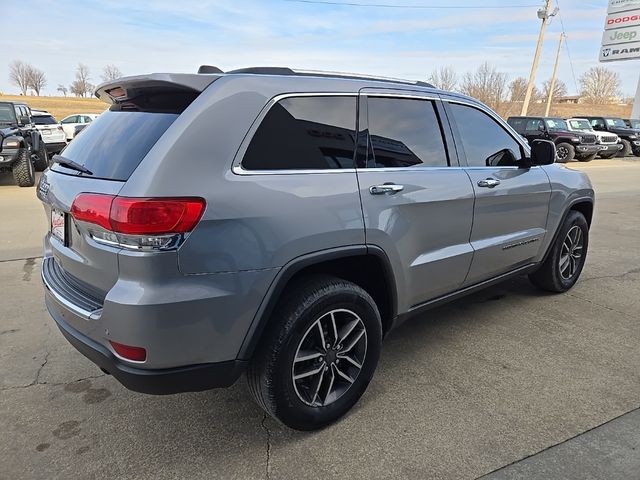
(621, 37)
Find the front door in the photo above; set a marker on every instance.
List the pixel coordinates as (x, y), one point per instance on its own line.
(416, 206)
(512, 203)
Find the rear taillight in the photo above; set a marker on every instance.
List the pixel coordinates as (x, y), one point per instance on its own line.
(138, 222)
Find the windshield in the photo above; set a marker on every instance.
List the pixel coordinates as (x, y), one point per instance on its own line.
(7, 114)
(556, 124)
(616, 122)
(635, 124)
(115, 143)
(580, 125)
(44, 120)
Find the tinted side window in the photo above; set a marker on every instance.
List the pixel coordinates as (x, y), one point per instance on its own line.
(72, 119)
(485, 142)
(404, 133)
(534, 125)
(305, 133)
(518, 124)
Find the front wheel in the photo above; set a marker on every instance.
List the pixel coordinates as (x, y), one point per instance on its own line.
(319, 354)
(565, 152)
(588, 158)
(565, 261)
(626, 148)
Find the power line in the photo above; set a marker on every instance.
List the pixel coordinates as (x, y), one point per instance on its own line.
(566, 46)
(388, 5)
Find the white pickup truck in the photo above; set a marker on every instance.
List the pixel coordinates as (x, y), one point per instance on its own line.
(609, 142)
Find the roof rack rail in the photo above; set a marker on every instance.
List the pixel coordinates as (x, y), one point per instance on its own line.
(209, 69)
(265, 70)
(320, 73)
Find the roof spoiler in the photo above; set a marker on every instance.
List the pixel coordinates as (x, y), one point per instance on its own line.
(127, 88)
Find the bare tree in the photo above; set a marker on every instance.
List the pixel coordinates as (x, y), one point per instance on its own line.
(518, 89)
(37, 80)
(600, 85)
(559, 89)
(110, 72)
(62, 89)
(81, 86)
(486, 84)
(19, 75)
(444, 78)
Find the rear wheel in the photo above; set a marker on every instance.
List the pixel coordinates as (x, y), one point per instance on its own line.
(41, 159)
(565, 261)
(565, 152)
(23, 172)
(626, 148)
(319, 355)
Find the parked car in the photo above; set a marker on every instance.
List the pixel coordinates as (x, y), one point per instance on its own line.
(569, 145)
(52, 133)
(69, 123)
(629, 137)
(632, 123)
(22, 150)
(609, 142)
(281, 223)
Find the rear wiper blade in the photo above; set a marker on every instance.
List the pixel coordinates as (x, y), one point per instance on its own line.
(67, 162)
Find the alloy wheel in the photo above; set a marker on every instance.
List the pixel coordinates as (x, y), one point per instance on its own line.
(571, 253)
(329, 357)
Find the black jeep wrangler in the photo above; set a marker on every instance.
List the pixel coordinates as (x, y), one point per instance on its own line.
(21, 147)
(569, 144)
(629, 137)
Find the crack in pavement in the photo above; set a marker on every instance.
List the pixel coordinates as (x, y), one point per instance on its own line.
(268, 464)
(630, 272)
(7, 260)
(52, 384)
(599, 305)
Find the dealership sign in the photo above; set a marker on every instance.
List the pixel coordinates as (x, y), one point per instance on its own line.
(621, 37)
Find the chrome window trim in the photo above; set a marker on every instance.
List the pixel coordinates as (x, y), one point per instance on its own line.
(499, 120)
(237, 168)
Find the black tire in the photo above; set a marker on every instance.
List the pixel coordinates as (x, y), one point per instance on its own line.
(42, 161)
(23, 171)
(565, 152)
(271, 370)
(588, 158)
(626, 148)
(549, 276)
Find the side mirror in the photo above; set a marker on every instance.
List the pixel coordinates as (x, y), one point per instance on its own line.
(543, 152)
(23, 120)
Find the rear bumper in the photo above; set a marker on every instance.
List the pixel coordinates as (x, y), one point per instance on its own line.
(190, 378)
(54, 147)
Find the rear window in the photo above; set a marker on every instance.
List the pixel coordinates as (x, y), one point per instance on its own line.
(44, 120)
(115, 143)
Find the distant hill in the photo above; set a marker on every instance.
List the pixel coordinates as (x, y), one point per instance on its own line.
(59, 107)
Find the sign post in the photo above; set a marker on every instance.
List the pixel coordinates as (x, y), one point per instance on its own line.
(621, 37)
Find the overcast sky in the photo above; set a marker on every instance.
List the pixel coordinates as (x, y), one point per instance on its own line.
(163, 35)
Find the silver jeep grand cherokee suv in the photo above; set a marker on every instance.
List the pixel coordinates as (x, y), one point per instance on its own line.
(281, 223)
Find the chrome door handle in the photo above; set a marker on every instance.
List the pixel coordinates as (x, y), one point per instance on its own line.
(388, 188)
(488, 182)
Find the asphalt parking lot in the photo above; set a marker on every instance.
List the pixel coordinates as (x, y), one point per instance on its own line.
(487, 382)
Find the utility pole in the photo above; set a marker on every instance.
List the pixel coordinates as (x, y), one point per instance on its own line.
(553, 77)
(544, 15)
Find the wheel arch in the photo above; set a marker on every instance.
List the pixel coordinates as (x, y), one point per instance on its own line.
(366, 266)
(584, 205)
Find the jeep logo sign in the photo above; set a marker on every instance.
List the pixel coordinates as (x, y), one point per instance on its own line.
(621, 37)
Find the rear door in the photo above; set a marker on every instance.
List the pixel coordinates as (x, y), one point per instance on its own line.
(511, 203)
(417, 202)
